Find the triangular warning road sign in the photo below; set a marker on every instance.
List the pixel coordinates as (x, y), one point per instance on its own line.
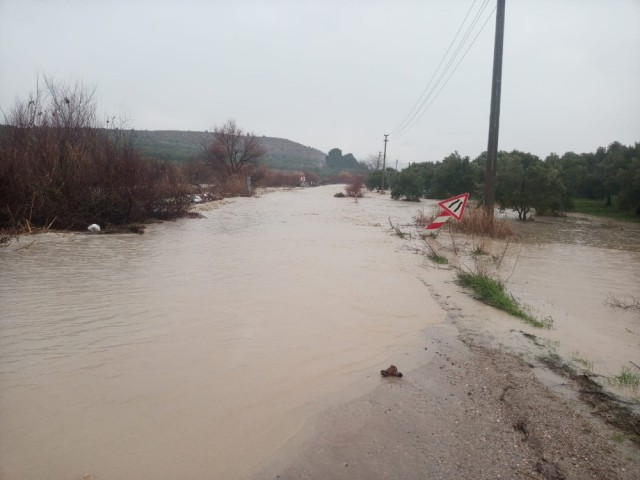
(455, 205)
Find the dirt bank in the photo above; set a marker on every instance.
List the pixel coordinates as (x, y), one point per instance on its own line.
(471, 412)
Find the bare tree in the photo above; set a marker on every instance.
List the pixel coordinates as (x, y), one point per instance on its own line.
(234, 151)
(373, 162)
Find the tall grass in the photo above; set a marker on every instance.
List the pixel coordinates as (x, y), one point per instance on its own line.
(475, 221)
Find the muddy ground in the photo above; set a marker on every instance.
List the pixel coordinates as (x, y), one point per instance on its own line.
(471, 412)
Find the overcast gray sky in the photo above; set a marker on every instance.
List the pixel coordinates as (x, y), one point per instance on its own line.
(340, 73)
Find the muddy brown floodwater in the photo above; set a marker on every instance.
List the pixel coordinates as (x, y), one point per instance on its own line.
(201, 348)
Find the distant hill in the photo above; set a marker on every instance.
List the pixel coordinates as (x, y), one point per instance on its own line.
(180, 146)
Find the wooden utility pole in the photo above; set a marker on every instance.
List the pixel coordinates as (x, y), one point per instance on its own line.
(384, 159)
(494, 117)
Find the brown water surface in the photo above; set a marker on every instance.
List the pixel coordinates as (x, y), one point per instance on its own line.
(199, 348)
(568, 269)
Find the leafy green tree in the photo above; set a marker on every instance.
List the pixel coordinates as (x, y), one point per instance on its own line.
(350, 162)
(573, 172)
(426, 170)
(613, 163)
(453, 176)
(374, 179)
(334, 158)
(336, 161)
(628, 180)
(409, 185)
(549, 192)
(524, 182)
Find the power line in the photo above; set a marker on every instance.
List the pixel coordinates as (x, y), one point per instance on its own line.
(415, 114)
(446, 68)
(436, 70)
(450, 75)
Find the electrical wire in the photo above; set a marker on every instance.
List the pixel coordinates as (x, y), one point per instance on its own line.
(450, 75)
(415, 114)
(399, 127)
(444, 72)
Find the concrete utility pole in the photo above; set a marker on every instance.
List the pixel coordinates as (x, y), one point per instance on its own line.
(494, 117)
(384, 159)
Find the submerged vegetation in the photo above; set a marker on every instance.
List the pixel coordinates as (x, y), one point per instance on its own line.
(626, 379)
(491, 291)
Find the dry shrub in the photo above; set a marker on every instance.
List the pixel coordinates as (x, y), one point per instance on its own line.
(354, 187)
(342, 177)
(422, 219)
(60, 168)
(475, 221)
(282, 179)
(232, 186)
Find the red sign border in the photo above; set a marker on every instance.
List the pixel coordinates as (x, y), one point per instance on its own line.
(464, 205)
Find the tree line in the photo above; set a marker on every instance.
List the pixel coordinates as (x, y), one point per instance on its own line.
(525, 182)
(61, 166)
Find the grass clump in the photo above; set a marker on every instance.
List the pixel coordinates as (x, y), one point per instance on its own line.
(438, 259)
(491, 291)
(626, 379)
(479, 250)
(579, 359)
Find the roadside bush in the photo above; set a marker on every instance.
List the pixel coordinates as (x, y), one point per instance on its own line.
(354, 188)
(282, 179)
(60, 168)
(408, 186)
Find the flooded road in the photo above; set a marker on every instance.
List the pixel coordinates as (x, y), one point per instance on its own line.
(568, 269)
(198, 349)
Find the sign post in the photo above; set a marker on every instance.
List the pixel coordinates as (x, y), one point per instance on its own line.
(451, 207)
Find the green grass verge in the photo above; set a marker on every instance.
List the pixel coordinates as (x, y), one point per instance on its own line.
(597, 208)
(492, 292)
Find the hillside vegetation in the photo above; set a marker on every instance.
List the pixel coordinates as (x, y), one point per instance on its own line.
(180, 146)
